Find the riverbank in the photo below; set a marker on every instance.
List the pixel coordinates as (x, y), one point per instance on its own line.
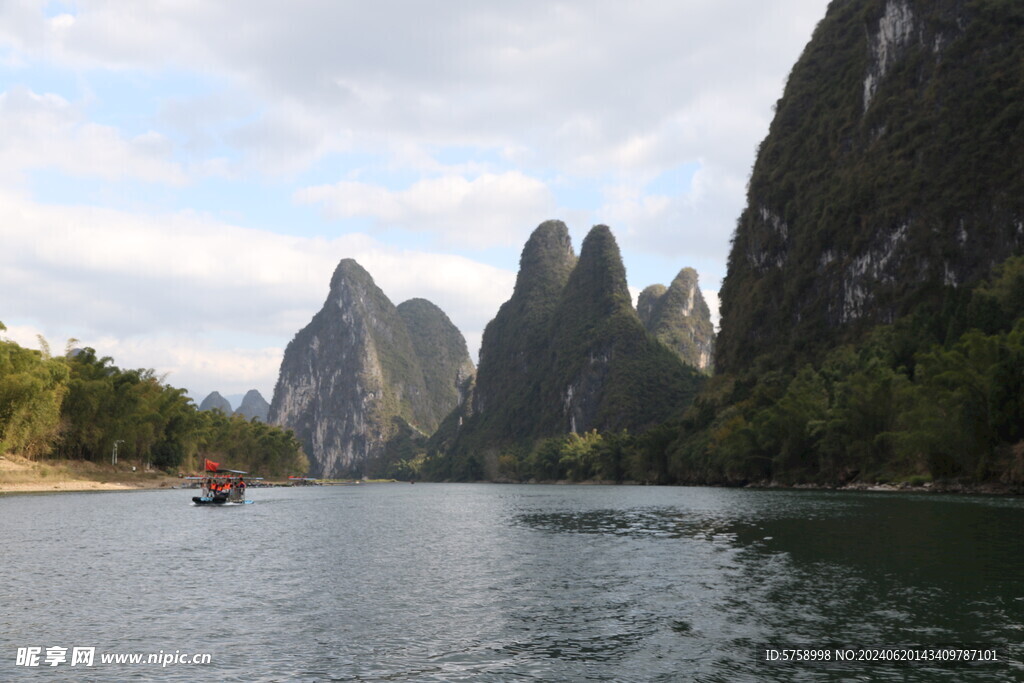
(967, 488)
(974, 488)
(21, 475)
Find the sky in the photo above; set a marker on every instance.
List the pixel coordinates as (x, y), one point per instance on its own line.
(179, 179)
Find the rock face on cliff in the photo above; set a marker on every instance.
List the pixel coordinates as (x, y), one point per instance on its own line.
(216, 402)
(364, 373)
(892, 169)
(679, 317)
(442, 354)
(254, 406)
(567, 353)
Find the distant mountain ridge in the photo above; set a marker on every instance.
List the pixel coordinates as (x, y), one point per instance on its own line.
(214, 401)
(254, 406)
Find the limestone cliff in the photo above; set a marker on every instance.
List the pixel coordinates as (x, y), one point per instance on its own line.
(679, 317)
(566, 353)
(609, 374)
(354, 379)
(892, 170)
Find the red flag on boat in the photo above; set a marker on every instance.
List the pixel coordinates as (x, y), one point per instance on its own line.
(212, 466)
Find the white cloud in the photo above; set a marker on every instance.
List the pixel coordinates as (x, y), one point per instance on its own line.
(691, 226)
(44, 131)
(489, 210)
(613, 92)
(198, 365)
(28, 336)
(580, 84)
(171, 288)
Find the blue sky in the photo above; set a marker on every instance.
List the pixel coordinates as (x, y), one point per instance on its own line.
(178, 180)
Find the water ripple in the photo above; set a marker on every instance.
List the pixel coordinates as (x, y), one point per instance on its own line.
(463, 582)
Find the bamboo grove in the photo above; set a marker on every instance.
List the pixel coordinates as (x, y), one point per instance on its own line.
(78, 406)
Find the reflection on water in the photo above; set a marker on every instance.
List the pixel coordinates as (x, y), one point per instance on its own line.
(845, 571)
(641, 522)
(459, 582)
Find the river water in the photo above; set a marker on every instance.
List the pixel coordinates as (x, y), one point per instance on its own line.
(493, 582)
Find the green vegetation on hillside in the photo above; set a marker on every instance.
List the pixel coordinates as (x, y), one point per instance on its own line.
(679, 318)
(442, 354)
(78, 406)
(938, 395)
(565, 355)
(863, 208)
(860, 339)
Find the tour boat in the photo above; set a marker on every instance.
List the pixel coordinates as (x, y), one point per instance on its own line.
(228, 488)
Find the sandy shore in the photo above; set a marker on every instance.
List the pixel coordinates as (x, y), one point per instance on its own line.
(21, 475)
(74, 485)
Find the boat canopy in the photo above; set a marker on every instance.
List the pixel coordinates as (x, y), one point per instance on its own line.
(213, 475)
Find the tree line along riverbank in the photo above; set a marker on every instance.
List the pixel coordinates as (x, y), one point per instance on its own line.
(79, 407)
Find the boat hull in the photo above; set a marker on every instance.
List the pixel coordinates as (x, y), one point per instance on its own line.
(220, 503)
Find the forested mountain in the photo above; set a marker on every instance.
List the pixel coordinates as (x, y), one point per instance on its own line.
(679, 317)
(354, 384)
(565, 355)
(871, 322)
(442, 354)
(504, 398)
(893, 169)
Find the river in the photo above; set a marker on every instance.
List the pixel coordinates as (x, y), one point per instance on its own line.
(497, 582)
